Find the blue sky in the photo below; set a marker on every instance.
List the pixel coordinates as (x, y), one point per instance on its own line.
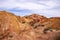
(48, 8)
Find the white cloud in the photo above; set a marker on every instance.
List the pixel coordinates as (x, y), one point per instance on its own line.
(24, 5)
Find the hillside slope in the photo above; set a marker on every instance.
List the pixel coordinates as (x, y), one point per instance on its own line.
(31, 27)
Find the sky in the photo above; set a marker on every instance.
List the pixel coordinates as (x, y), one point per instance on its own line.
(48, 8)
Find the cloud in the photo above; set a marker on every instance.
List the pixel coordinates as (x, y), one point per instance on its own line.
(23, 7)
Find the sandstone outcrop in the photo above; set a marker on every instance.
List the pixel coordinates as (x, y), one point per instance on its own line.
(31, 27)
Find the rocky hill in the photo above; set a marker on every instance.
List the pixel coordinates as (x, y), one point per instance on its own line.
(31, 27)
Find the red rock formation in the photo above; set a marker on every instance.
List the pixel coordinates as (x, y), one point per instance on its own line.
(37, 18)
(14, 27)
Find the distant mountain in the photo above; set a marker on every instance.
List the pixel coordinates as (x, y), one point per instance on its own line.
(36, 17)
(55, 21)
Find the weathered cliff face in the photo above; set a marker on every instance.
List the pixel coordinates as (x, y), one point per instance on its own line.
(32, 27)
(35, 20)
